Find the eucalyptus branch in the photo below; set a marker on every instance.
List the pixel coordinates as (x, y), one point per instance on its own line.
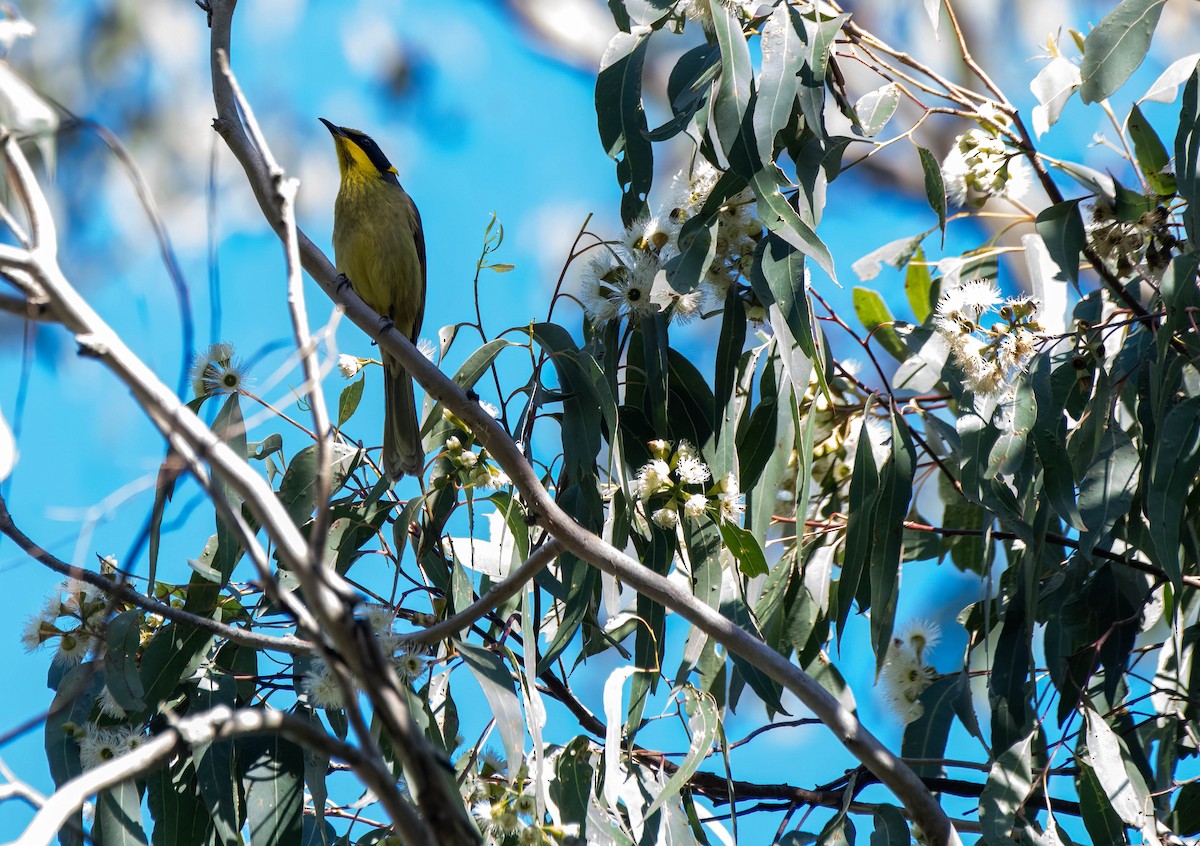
(496, 595)
(221, 723)
(285, 198)
(120, 590)
(25, 308)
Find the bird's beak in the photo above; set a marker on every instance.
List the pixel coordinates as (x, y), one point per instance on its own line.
(336, 131)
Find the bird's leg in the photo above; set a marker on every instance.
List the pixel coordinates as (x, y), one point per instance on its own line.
(343, 282)
(386, 323)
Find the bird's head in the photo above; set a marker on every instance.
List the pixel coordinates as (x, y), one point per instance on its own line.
(359, 157)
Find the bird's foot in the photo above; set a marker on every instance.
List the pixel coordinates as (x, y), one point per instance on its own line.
(386, 324)
(343, 282)
(471, 395)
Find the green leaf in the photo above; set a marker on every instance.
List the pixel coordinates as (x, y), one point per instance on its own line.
(571, 787)
(471, 371)
(1185, 816)
(935, 187)
(621, 118)
(779, 267)
(1009, 784)
(119, 816)
(745, 548)
(493, 676)
(122, 643)
(735, 90)
(757, 438)
(891, 828)
(816, 65)
(73, 703)
(875, 108)
(875, 317)
(1100, 820)
(1115, 48)
(1187, 152)
(173, 797)
(1116, 773)
(918, 286)
(1107, 489)
(778, 82)
(176, 651)
(926, 736)
(1009, 449)
(688, 87)
(896, 253)
(1050, 388)
(1152, 157)
(274, 783)
(763, 685)
(1061, 227)
(729, 348)
(887, 535)
(779, 216)
(864, 492)
(349, 399)
(216, 772)
(1175, 459)
(586, 399)
(298, 488)
(704, 721)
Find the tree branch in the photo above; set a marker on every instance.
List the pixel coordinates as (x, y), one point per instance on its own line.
(220, 723)
(122, 591)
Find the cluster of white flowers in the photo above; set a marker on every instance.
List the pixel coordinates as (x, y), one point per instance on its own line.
(626, 279)
(981, 163)
(506, 811)
(98, 745)
(907, 671)
(474, 469)
(321, 686)
(74, 615)
(671, 479)
(990, 357)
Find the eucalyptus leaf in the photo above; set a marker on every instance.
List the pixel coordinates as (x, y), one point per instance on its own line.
(1115, 48)
(876, 108)
(490, 670)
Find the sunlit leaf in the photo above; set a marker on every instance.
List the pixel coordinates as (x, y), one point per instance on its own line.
(1115, 48)
(501, 693)
(1008, 786)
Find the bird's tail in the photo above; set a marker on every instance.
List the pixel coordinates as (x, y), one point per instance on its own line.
(402, 450)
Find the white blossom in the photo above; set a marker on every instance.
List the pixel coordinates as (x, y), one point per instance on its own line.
(349, 365)
(653, 476)
(98, 746)
(666, 517)
(695, 506)
(980, 162)
(322, 687)
(730, 499)
(109, 706)
(73, 648)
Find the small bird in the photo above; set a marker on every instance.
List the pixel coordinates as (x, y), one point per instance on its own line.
(379, 246)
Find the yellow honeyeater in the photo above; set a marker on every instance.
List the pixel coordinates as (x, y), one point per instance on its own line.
(379, 245)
